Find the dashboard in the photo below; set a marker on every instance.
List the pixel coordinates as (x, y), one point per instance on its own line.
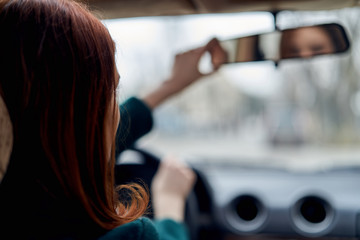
(247, 202)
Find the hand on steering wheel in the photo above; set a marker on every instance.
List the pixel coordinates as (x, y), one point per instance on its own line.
(146, 170)
(171, 186)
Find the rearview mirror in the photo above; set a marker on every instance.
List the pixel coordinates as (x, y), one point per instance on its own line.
(302, 42)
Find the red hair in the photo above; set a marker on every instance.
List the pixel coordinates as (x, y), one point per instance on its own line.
(58, 77)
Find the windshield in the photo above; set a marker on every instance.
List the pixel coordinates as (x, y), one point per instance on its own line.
(300, 114)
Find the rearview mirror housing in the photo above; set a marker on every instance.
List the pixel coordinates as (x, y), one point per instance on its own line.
(302, 42)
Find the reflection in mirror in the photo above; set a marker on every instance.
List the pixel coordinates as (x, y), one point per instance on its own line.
(303, 42)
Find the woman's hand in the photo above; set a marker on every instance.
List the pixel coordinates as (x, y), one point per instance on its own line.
(170, 187)
(186, 71)
(186, 67)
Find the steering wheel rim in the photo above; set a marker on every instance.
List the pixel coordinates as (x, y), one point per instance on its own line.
(144, 172)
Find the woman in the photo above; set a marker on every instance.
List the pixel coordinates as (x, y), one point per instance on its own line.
(58, 82)
(307, 42)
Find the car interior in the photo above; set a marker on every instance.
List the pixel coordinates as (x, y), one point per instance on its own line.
(274, 135)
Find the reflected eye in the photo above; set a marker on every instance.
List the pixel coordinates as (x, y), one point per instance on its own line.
(293, 52)
(317, 48)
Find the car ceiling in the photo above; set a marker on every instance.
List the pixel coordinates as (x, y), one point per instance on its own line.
(137, 8)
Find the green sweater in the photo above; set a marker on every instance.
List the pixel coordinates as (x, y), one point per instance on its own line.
(136, 121)
(145, 229)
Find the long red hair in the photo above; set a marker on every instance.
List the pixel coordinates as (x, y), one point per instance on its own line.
(57, 79)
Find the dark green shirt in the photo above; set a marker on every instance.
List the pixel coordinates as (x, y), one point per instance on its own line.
(136, 121)
(145, 229)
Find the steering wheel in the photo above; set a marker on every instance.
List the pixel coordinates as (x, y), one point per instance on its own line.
(143, 171)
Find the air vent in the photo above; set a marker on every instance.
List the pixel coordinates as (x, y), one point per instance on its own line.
(312, 216)
(246, 214)
(313, 209)
(247, 208)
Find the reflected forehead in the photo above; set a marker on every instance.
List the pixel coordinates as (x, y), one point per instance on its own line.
(310, 32)
(310, 36)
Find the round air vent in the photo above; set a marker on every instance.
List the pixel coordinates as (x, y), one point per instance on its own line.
(246, 214)
(312, 216)
(247, 208)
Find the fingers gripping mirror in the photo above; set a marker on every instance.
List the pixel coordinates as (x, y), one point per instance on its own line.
(302, 42)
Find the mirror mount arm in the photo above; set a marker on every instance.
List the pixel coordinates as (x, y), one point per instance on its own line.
(275, 14)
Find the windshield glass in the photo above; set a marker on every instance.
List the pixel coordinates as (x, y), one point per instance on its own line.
(300, 114)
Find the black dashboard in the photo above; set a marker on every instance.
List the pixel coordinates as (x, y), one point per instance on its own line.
(245, 202)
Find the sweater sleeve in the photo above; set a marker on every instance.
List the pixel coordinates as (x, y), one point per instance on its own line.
(135, 121)
(169, 229)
